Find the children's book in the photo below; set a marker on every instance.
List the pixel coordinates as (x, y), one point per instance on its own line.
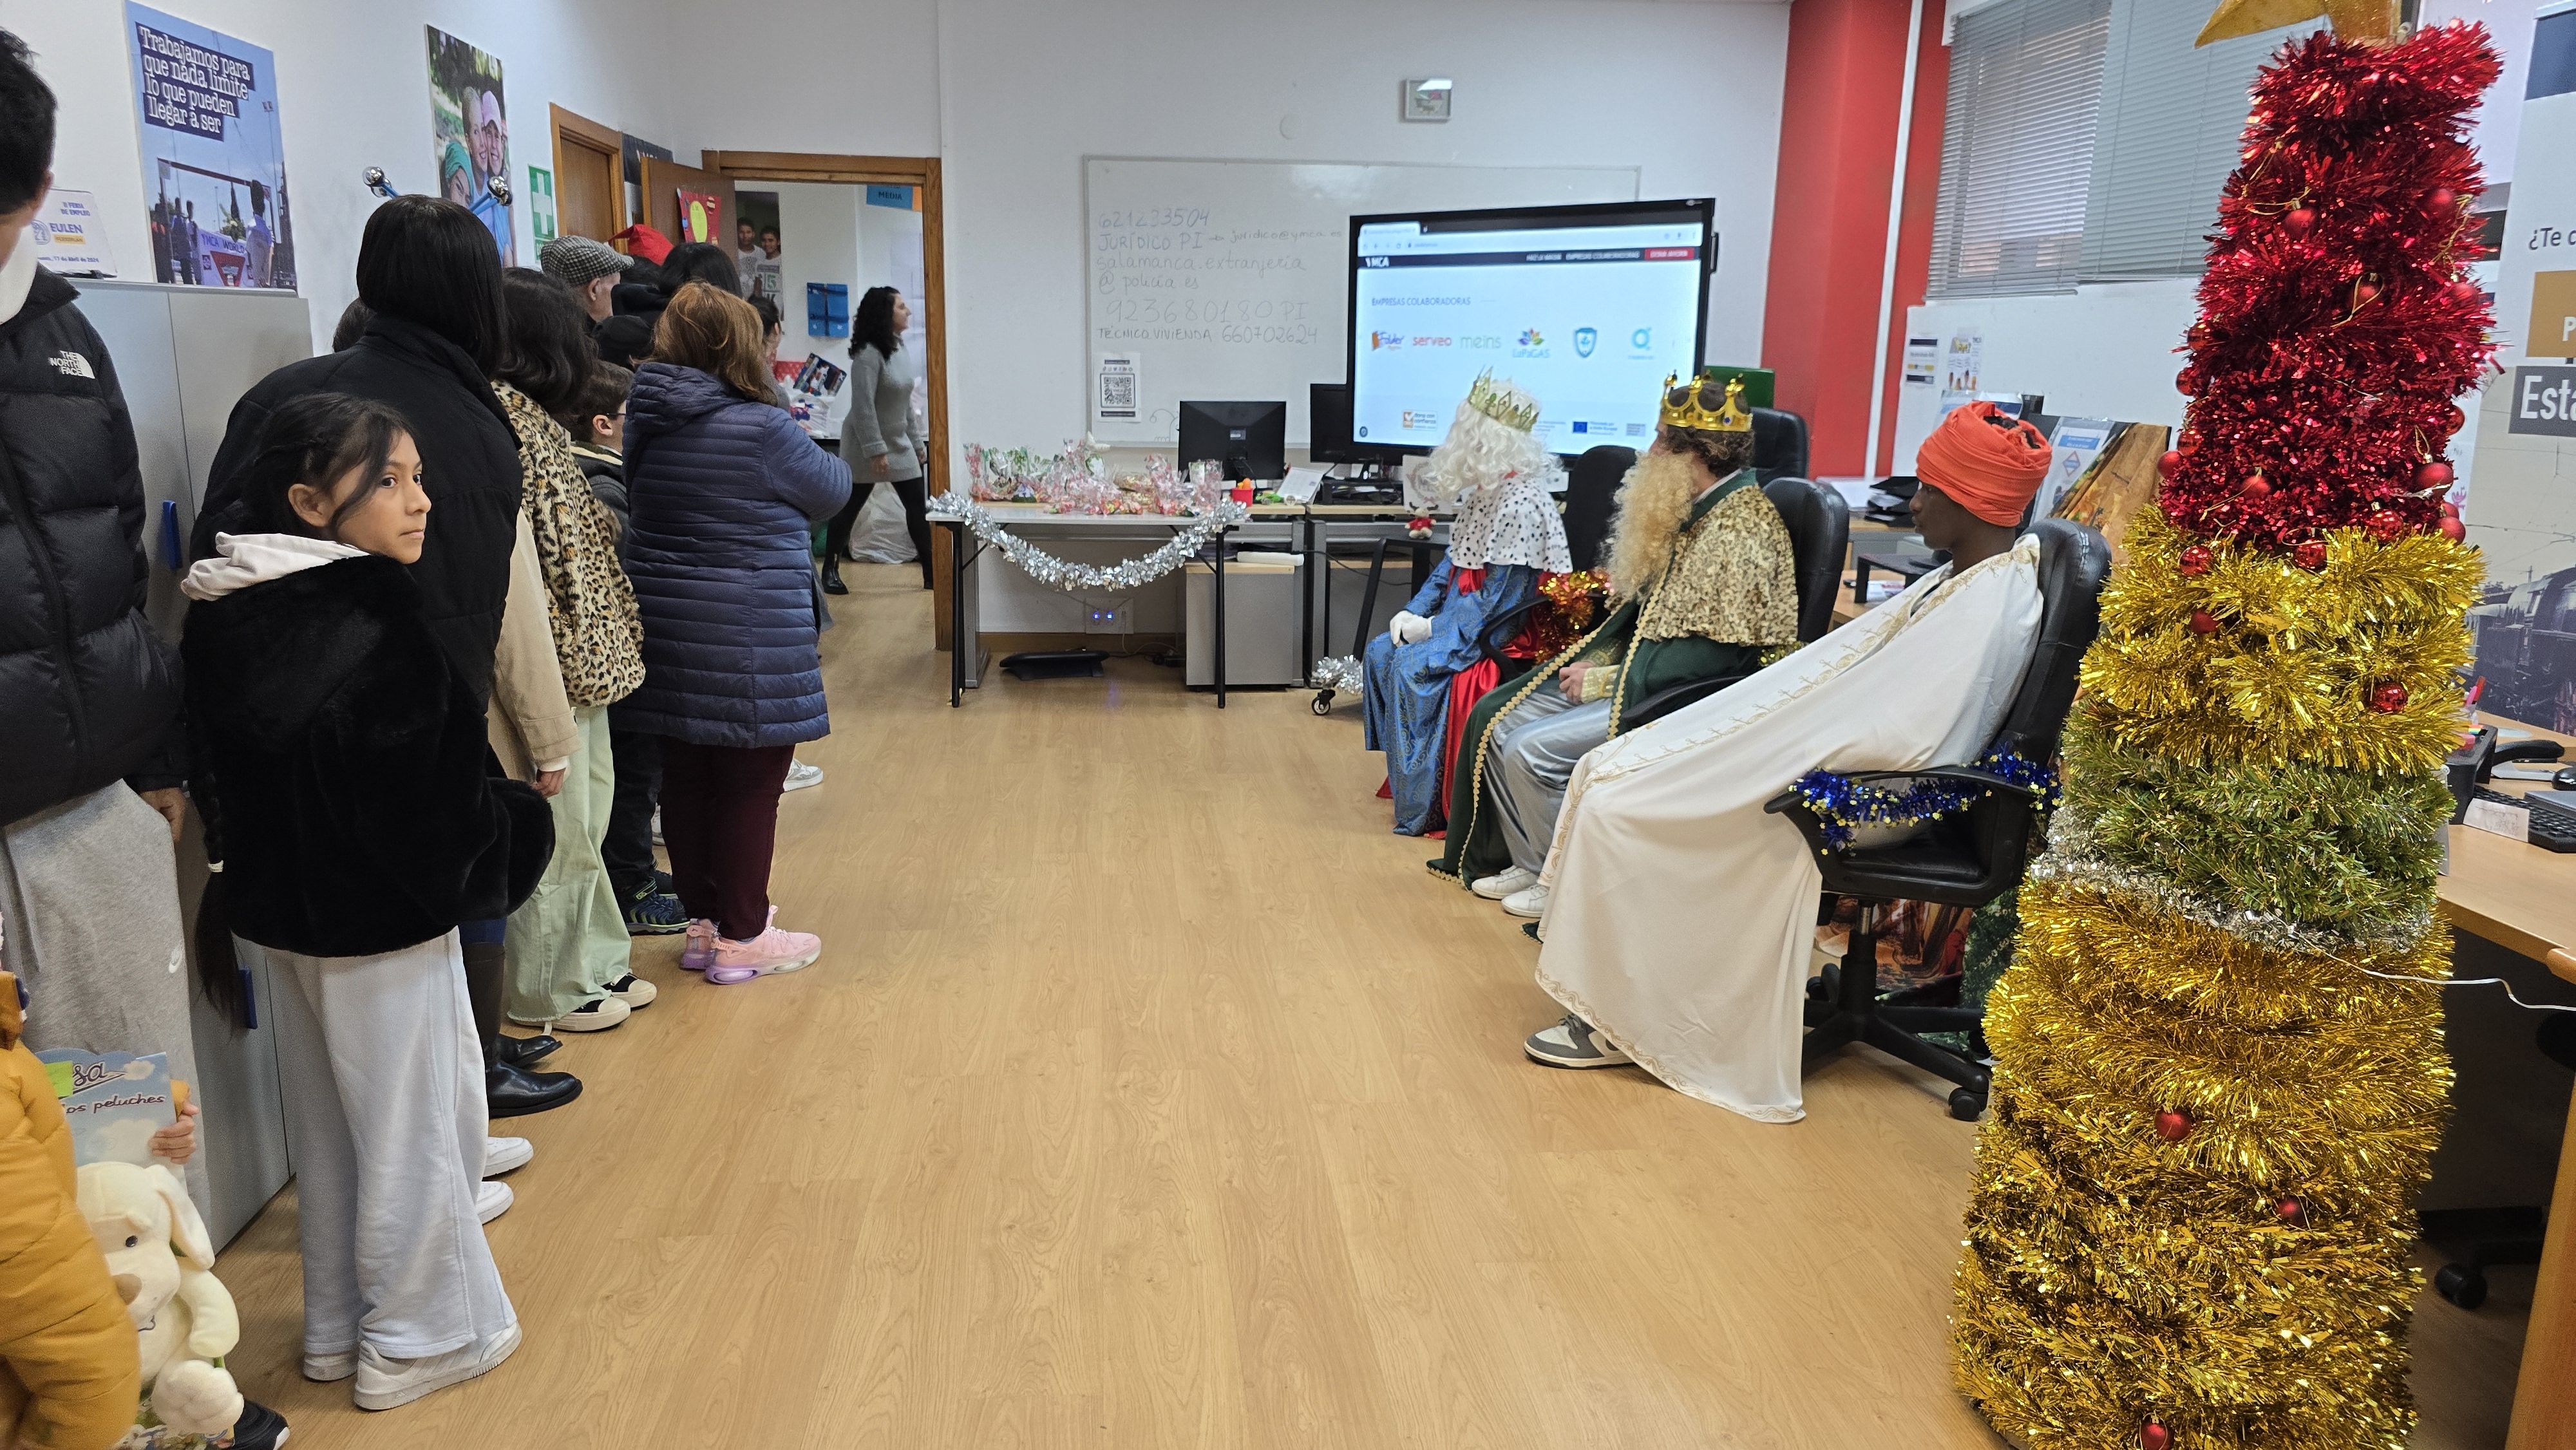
(115, 1102)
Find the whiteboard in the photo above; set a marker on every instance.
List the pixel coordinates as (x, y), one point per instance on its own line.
(1231, 279)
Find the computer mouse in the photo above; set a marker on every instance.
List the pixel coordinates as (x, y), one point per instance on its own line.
(2565, 779)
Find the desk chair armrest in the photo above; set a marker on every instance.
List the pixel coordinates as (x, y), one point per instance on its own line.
(1788, 800)
(1665, 701)
(1505, 627)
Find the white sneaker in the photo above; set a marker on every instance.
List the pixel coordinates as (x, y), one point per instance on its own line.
(596, 1016)
(384, 1382)
(634, 991)
(506, 1155)
(1530, 901)
(1505, 882)
(1573, 1042)
(491, 1200)
(801, 775)
(327, 1368)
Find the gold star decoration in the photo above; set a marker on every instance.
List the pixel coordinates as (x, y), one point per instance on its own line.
(2351, 19)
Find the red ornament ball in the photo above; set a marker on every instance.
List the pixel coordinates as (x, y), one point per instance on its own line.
(2452, 419)
(2203, 622)
(2310, 555)
(2195, 560)
(2257, 487)
(2299, 220)
(2173, 1125)
(2187, 382)
(2387, 697)
(2465, 293)
(2435, 474)
(2170, 463)
(2385, 526)
(2154, 1436)
(2442, 199)
(2452, 529)
(2289, 1210)
(2364, 293)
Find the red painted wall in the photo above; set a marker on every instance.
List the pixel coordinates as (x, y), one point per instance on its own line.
(1845, 80)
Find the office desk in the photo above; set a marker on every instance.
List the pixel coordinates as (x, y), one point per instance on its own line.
(2523, 897)
(964, 549)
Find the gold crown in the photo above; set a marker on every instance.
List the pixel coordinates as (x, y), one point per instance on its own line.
(1502, 402)
(1686, 405)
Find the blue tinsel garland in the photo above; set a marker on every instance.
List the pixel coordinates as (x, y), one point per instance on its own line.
(1843, 803)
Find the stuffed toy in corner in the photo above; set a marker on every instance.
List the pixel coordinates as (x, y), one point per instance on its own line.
(163, 1263)
(67, 1379)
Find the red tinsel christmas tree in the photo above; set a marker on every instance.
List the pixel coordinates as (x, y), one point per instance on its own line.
(2220, 1072)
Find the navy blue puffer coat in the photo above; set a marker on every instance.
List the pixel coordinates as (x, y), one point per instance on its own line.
(723, 492)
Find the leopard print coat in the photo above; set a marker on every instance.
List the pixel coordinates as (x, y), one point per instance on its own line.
(599, 638)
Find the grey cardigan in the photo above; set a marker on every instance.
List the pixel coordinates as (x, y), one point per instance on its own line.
(880, 421)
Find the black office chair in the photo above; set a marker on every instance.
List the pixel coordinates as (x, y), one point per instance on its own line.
(1779, 444)
(1819, 524)
(1967, 859)
(1591, 497)
(2491, 1238)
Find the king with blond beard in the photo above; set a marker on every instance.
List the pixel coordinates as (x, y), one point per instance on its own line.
(1704, 579)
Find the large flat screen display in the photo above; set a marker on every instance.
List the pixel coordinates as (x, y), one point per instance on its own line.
(1587, 307)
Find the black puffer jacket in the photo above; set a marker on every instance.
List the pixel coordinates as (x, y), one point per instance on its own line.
(88, 693)
(342, 770)
(469, 465)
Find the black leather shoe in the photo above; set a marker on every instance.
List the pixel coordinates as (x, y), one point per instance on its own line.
(515, 1092)
(528, 1051)
(832, 578)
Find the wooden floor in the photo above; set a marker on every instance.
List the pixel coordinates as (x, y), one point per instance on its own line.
(1148, 1093)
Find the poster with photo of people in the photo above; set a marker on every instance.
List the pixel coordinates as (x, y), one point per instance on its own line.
(214, 160)
(756, 245)
(470, 135)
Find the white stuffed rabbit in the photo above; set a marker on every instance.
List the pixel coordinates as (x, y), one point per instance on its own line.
(163, 1263)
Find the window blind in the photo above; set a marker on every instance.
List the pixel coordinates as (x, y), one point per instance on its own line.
(2171, 119)
(2017, 147)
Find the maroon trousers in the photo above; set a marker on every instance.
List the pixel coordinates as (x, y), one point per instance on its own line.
(720, 824)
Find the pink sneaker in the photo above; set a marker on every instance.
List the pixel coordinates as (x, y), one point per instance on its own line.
(771, 951)
(701, 947)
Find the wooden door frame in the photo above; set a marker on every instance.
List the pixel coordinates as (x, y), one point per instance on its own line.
(605, 138)
(921, 171)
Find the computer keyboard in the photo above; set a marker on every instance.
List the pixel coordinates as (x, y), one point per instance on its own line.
(2553, 828)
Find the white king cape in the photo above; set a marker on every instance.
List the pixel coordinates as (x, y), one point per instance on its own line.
(1679, 915)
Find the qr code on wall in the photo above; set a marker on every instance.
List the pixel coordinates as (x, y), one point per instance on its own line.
(1118, 387)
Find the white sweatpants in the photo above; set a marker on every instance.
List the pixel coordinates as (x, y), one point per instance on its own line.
(385, 1120)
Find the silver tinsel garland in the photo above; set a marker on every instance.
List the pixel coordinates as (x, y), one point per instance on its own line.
(1339, 673)
(1069, 576)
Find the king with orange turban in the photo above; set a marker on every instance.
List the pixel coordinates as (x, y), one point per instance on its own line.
(1679, 915)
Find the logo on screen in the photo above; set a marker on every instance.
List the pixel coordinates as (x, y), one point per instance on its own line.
(1584, 338)
(1385, 339)
(1643, 339)
(1530, 337)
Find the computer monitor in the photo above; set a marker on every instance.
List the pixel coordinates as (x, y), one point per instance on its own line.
(1249, 439)
(1328, 413)
(1587, 307)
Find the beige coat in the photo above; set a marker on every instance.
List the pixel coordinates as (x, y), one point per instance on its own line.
(530, 719)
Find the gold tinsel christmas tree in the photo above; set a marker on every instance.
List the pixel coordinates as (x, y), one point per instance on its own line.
(2220, 1064)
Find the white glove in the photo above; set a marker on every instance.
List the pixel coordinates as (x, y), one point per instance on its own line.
(1408, 627)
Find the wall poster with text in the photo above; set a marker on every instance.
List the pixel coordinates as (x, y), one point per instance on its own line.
(470, 135)
(214, 161)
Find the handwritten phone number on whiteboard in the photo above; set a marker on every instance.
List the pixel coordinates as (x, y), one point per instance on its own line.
(1168, 311)
(1186, 217)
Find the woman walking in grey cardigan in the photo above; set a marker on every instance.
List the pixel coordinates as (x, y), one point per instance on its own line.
(879, 439)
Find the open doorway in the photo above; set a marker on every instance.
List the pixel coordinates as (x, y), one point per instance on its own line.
(852, 222)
